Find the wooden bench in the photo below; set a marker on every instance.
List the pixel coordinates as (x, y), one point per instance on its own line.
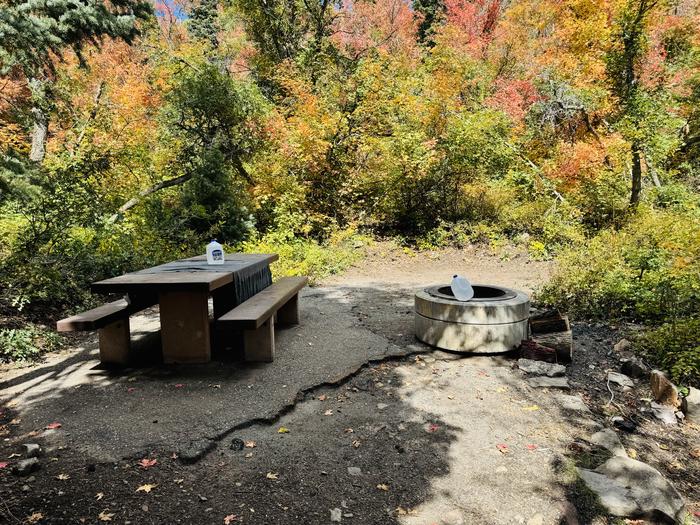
(279, 303)
(111, 321)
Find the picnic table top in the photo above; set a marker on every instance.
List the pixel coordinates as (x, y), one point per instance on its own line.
(192, 274)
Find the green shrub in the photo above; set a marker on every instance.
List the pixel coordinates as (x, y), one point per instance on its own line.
(675, 347)
(306, 256)
(26, 344)
(648, 270)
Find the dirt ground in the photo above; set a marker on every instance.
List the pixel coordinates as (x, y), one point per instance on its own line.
(354, 422)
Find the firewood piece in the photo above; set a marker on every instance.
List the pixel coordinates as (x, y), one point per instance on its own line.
(549, 322)
(560, 342)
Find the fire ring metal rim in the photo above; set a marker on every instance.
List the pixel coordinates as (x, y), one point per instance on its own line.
(482, 293)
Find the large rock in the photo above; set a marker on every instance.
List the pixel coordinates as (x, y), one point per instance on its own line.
(609, 440)
(540, 368)
(691, 406)
(634, 367)
(630, 488)
(664, 391)
(548, 382)
(620, 379)
(664, 413)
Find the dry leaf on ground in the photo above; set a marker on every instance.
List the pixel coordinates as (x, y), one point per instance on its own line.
(383, 486)
(105, 515)
(250, 444)
(272, 475)
(53, 425)
(147, 463)
(148, 487)
(63, 476)
(283, 430)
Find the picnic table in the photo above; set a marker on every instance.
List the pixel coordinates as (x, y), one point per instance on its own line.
(182, 289)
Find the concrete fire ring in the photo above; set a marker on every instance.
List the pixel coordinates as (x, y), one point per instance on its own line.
(494, 321)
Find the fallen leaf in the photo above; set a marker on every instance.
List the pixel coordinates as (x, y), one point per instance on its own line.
(383, 486)
(531, 447)
(3, 464)
(328, 412)
(53, 425)
(15, 455)
(272, 475)
(283, 430)
(230, 519)
(17, 421)
(356, 443)
(106, 516)
(695, 453)
(147, 463)
(433, 427)
(348, 431)
(179, 481)
(99, 496)
(249, 455)
(322, 397)
(450, 397)
(632, 453)
(35, 518)
(63, 477)
(502, 448)
(250, 444)
(531, 408)
(174, 455)
(662, 446)
(148, 487)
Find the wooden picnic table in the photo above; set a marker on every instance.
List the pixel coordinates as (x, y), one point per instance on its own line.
(182, 288)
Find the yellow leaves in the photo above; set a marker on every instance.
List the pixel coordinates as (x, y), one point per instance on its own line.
(531, 408)
(283, 430)
(63, 477)
(99, 496)
(147, 488)
(249, 444)
(35, 518)
(272, 475)
(383, 486)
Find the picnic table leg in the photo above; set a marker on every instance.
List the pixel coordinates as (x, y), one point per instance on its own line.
(259, 345)
(115, 341)
(289, 313)
(184, 327)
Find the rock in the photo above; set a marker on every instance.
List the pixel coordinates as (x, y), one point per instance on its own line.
(355, 471)
(453, 517)
(664, 391)
(691, 405)
(381, 406)
(619, 379)
(26, 467)
(572, 403)
(664, 413)
(624, 424)
(627, 487)
(540, 368)
(623, 345)
(635, 368)
(537, 519)
(336, 515)
(25, 488)
(609, 440)
(32, 450)
(537, 352)
(237, 444)
(548, 382)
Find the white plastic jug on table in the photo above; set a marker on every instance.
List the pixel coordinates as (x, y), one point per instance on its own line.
(461, 288)
(215, 253)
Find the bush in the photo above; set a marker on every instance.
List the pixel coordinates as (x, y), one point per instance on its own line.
(649, 270)
(675, 347)
(26, 344)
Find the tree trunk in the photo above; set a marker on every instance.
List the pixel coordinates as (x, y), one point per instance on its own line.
(636, 174)
(39, 135)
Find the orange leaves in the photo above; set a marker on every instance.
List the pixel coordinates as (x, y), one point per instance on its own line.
(146, 463)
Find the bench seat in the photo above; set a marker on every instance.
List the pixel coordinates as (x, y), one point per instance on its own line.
(279, 303)
(111, 321)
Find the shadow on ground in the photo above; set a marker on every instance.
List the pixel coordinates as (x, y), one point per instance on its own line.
(436, 438)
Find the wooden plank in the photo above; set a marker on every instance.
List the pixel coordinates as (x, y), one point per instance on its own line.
(95, 318)
(163, 281)
(548, 322)
(184, 327)
(259, 344)
(115, 342)
(259, 308)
